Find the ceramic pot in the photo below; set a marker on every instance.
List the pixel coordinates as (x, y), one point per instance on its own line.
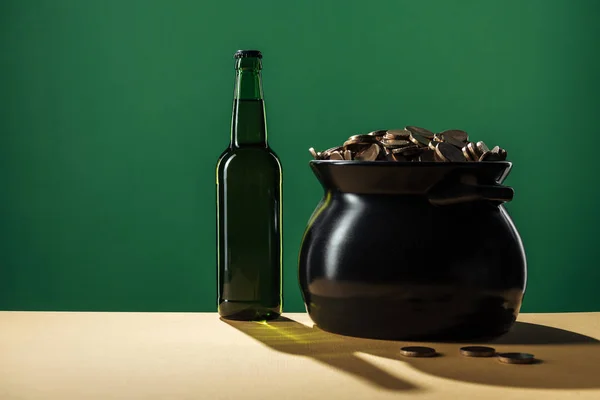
(412, 251)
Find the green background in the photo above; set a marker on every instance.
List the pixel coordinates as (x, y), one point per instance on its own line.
(113, 114)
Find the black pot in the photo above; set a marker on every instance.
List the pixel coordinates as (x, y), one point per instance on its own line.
(412, 251)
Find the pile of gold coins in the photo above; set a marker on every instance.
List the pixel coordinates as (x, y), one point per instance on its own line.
(412, 144)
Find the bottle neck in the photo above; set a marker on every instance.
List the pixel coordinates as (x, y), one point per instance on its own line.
(248, 126)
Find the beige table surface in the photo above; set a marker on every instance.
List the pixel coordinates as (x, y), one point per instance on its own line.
(64, 356)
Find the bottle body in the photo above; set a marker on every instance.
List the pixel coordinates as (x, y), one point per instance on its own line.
(249, 209)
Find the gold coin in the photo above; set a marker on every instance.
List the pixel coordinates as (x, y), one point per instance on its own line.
(453, 141)
(398, 134)
(395, 143)
(482, 147)
(336, 156)
(378, 134)
(516, 358)
(477, 351)
(370, 154)
(447, 152)
(473, 151)
(500, 152)
(417, 351)
(467, 154)
(419, 140)
(327, 152)
(420, 131)
(456, 134)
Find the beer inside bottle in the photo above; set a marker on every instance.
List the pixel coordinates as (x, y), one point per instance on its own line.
(249, 205)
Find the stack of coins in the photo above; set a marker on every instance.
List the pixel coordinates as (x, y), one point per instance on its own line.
(412, 144)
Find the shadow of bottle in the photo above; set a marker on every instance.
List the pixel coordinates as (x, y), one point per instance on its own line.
(568, 360)
(291, 337)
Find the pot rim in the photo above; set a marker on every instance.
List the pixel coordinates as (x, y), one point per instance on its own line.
(418, 164)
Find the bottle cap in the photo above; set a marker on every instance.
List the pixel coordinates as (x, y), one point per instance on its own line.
(247, 53)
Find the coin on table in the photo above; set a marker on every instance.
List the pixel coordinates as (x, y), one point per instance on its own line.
(370, 154)
(419, 140)
(418, 351)
(347, 155)
(398, 134)
(516, 358)
(420, 131)
(477, 351)
(313, 153)
(456, 134)
(482, 147)
(336, 155)
(447, 152)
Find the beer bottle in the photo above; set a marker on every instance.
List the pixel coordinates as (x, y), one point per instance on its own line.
(249, 209)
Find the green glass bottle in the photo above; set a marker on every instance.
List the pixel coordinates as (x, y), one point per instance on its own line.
(249, 209)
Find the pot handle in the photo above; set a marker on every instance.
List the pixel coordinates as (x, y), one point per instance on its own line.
(464, 193)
